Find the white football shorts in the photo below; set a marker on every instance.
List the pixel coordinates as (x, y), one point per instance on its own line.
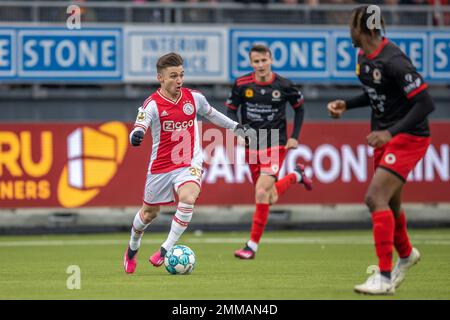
(160, 188)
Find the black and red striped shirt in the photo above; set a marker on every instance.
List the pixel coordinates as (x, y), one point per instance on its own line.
(263, 104)
(391, 82)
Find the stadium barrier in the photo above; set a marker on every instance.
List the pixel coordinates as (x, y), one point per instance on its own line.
(213, 54)
(212, 218)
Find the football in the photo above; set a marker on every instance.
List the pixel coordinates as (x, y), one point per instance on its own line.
(180, 260)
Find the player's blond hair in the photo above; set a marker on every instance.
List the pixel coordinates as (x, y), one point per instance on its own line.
(171, 59)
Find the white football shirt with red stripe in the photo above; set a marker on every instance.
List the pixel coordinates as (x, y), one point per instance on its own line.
(174, 129)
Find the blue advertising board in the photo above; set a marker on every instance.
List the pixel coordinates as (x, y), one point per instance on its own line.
(343, 56)
(414, 44)
(440, 55)
(328, 56)
(53, 54)
(7, 53)
(296, 55)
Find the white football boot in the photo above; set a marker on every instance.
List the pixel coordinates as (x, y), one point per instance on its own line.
(403, 265)
(376, 284)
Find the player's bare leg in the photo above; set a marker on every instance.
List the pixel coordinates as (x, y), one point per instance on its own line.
(141, 221)
(383, 187)
(407, 255)
(263, 192)
(187, 195)
(273, 195)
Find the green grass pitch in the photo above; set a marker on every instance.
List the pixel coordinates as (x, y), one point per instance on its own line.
(289, 265)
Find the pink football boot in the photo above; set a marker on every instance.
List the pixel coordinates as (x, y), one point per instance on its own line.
(157, 259)
(245, 253)
(307, 182)
(129, 264)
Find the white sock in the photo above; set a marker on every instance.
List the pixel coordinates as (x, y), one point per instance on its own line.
(179, 223)
(299, 176)
(252, 245)
(137, 231)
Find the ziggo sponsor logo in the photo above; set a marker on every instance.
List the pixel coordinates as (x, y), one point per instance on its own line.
(170, 125)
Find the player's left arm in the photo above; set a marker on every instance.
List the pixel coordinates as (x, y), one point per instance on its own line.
(296, 99)
(210, 113)
(221, 120)
(415, 89)
(233, 102)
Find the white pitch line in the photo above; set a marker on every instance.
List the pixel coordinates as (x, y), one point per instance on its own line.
(298, 240)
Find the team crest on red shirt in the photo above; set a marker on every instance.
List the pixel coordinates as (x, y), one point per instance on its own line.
(275, 168)
(188, 109)
(390, 158)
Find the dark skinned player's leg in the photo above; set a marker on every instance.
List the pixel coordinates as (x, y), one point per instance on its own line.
(396, 203)
(382, 189)
(408, 256)
(401, 238)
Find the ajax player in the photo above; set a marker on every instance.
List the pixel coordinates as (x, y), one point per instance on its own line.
(176, 158)
(261, 97)
(400, 136)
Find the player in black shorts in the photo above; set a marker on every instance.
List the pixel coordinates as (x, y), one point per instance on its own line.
(261, 97)
(400, 136)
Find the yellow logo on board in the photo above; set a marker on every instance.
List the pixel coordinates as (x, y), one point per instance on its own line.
(93, 159)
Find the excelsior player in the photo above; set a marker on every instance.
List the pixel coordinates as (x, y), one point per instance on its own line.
(262, 97)
(176, 157)
(400, 104)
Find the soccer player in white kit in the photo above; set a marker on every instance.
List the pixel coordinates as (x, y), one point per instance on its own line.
(176, 158)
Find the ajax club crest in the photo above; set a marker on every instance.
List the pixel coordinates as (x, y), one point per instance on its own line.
(188, 109)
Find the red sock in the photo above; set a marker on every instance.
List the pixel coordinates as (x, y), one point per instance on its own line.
(283, 184)
(259, 221)
(383, 234)
(401, 239)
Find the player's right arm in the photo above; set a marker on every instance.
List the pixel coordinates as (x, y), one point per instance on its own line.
(337, 107)
(142, 123)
